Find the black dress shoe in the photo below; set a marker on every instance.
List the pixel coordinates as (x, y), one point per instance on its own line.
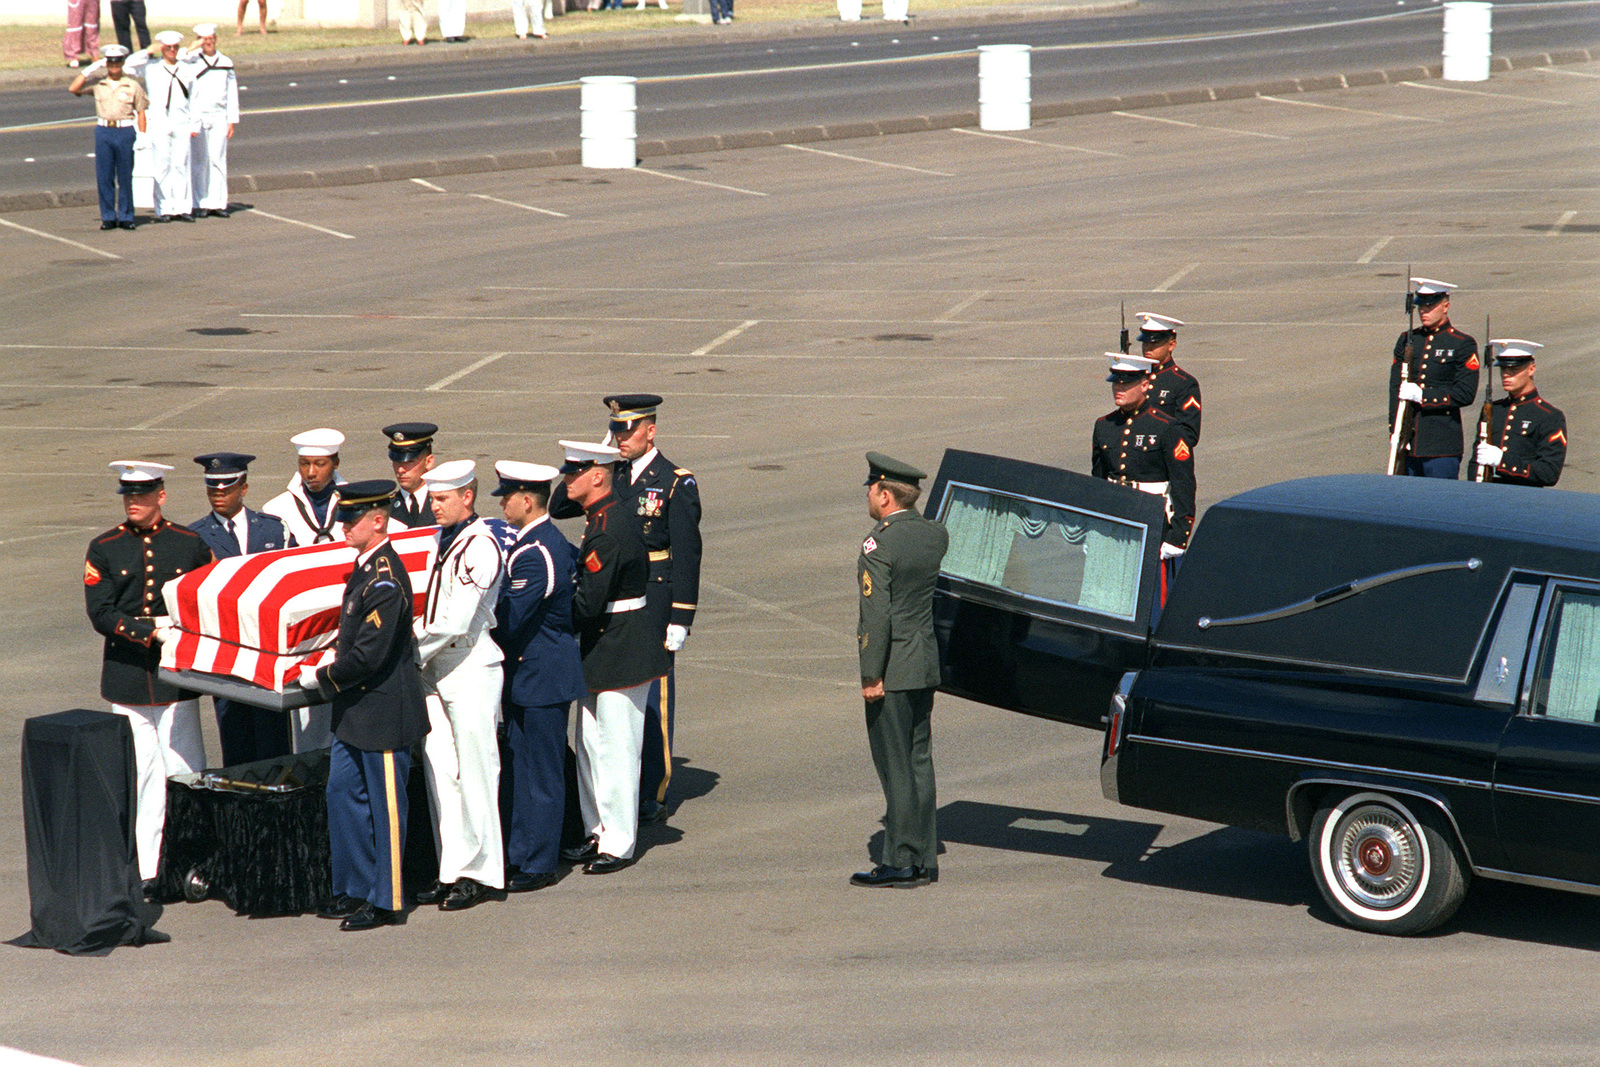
(108, 225)
(125, 225)
(217, 213)
(163, 218)
(523, 882)
(185, 217)
(650, 811)
(341, 906)
(467, 893)
(580, 853)
(435, 893)
(887, 876)
(927, 874)
(370, 918)
(606, 864)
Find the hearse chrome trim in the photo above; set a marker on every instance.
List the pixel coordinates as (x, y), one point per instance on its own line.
(1538, 881)
(1339, 592)
(1525, 791)
(1367, 785)
(1307, 761)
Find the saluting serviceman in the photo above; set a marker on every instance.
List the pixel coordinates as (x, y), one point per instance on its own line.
(379, 712)
(900, 668)
(122, 578)
(462, 675)
(1527, 442)
(120, 104)
(1172, 389)
(411, 454)
(622, 653)
(170, 124)
(247, 732)
(1441, 378)
(543, 671)
(214, 102)
(1139, 446)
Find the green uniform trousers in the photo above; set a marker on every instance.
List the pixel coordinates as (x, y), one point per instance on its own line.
(900, 736)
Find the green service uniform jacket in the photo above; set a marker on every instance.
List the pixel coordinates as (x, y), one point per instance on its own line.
(898, 564)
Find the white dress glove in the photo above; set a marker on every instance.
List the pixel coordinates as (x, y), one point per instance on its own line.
(676, 636)
(164, 634)
(1170, 551)
(1411, 391)
(1490, 455)
(307, 677)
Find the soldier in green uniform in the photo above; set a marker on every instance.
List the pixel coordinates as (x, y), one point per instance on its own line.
(900, 668)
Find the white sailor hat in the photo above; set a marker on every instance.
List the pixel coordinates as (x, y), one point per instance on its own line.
(135, 476)
(581, 455)
(319, 442)
(114, 51)
(1513, 351)
(1428, 291)
(169, 37)
(1128, 368)
(452, 475)
(206, 29)
(518, 477)
(1153, 327)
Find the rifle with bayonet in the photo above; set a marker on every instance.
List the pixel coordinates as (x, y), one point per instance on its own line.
(1122, 313)
(1404, 431)
(1482, 471)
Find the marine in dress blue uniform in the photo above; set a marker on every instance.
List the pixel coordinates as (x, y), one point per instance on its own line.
(543, 671)
(411, 455)
(1173, 390)
(1527, 438)
(247, 732)
(379, 712)
(1441, 378)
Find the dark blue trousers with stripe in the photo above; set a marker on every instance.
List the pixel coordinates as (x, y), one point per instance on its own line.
(367, 823)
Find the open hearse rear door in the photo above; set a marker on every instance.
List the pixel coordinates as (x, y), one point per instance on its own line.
(1045, 594)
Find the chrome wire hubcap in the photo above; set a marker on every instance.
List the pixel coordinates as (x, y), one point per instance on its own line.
(1378, 857)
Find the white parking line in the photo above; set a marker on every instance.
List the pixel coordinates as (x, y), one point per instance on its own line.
(513, 203)
(697, 181)
(215, 394)
(1479, 92)
(426, 185)
(1561, 223)
(873, 162)
(1351, 110)
(1569, 73)
(297, 222)
(1370, 254)
(1041, 144)
(963, 305)
(706, 348)
(462, 373)
(1197, 126)
(1175, 279)
(40, 537)
(53, 237)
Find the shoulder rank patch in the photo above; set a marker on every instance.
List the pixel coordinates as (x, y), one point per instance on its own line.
(591, 562)
(375, 619)
(1559, 435)
(1192, 402)
(1472, 362)
(869, 544)
(866, 584)
(1182, 451)
(91, 575)
(682, 472)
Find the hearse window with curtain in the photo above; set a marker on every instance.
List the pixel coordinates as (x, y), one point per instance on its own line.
(1569, 671)
(1043, 551)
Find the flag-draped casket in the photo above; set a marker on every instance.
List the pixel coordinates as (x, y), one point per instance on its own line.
(256, 619)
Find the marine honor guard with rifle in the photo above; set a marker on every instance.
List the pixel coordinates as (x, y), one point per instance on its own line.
(1433, 375)
(1173, 390)
(1143, 447)
(1525, 439)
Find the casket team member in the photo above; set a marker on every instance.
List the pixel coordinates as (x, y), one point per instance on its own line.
(900, 668)
(411, 455)
(543, 671)
(309, 510)
(1527, 434)
(622, 654)
(122, 578)
(229, 529)
(462, 676)
(379, 712)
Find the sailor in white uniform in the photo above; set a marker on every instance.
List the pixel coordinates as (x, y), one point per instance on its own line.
(461, 674)
(214, 103)
(169, 125)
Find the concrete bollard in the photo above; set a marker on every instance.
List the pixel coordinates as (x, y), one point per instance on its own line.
(609, 128)
(1466, 40)
(1005, 73)
(849, 10)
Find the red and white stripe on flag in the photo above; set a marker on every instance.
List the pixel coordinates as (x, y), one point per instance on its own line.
(258, 618)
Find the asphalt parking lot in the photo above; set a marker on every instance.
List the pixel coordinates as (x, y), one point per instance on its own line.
(797, 306)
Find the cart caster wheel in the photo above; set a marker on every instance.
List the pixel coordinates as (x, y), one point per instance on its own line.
(196, 887)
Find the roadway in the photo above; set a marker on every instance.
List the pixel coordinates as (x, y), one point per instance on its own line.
(403, 111)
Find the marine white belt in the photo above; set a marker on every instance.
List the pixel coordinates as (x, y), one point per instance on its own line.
(631, 604)
(1153, 488)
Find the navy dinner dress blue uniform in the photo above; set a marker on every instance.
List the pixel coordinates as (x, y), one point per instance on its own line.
(543, 676)
(247, 732)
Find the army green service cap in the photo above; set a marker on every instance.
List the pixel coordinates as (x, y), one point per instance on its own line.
(881, 468)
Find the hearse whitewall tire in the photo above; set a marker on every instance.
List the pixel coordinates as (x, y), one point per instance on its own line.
(1384, 864)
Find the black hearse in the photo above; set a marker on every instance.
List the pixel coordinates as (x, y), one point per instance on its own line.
(1403, 673)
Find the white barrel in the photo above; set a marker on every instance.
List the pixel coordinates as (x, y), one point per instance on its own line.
(1005, 76)
(144, 173)
(849, 10)
(1466, 40)
(609, 111)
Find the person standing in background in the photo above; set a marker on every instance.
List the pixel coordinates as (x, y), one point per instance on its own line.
(120, 103)
(214, 102)
(82, 39)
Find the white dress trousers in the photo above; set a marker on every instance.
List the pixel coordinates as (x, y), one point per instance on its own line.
(526, 15)
(452, 18)
(166, 741)
(461, 671)
(214, 103)
(608, 736)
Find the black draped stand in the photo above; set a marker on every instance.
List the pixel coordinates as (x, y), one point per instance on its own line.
(78, 784)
